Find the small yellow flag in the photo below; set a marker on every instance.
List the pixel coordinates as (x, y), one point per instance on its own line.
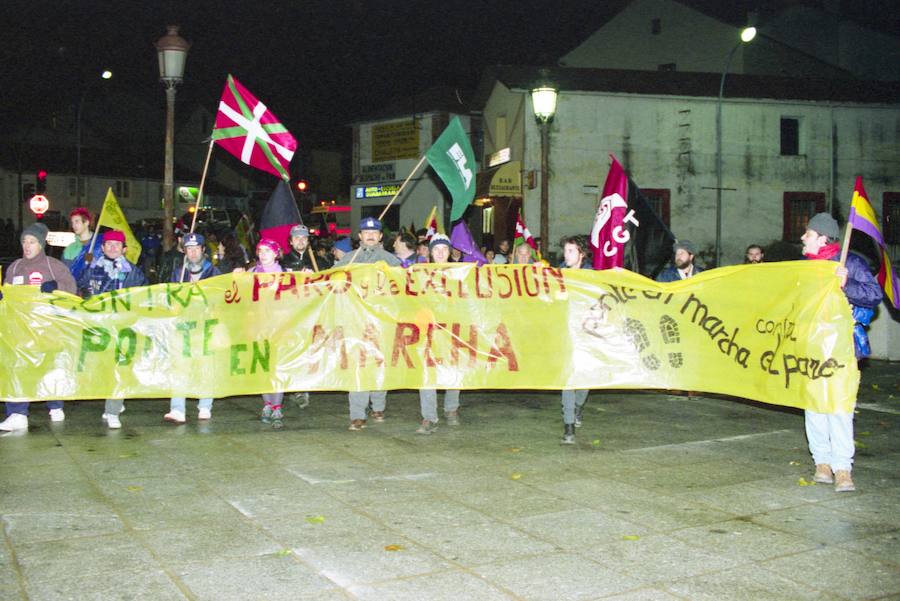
(112, 216)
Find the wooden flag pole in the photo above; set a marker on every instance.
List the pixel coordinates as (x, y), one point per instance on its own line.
(846, 247)
(393, 198)
(197, 202)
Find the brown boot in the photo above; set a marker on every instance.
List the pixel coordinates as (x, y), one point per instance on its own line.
(823, 474)
(357, 424)
(843, 482)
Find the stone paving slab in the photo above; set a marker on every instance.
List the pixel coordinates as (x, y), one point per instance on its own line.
(663, 497)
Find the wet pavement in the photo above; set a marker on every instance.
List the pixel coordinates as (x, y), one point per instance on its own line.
(663, 497)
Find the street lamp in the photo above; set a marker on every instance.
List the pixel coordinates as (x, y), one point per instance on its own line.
(172, 51)
(747, 35)
(543, 100)
(79, 189)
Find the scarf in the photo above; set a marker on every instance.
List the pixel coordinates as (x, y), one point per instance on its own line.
(826, 252)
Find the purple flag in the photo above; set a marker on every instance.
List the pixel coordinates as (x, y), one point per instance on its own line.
(461, 239)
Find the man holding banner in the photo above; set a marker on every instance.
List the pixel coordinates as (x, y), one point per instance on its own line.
(830, 435)
(111, 271)
(369, 251)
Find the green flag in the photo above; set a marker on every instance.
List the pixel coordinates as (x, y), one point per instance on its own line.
(452, 158)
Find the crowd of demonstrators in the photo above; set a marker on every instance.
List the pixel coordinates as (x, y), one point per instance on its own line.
(35, 268)
(575, 256)
(110, 270)
(830, 436)
(370, 251)
(440, 253)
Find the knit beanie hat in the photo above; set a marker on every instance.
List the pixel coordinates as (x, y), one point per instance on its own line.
(36, 230)
(824, 225)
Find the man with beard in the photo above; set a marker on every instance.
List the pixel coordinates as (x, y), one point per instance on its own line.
(754, 254)
(683, 267)
(298, 259)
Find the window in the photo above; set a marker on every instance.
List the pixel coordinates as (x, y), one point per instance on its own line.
(890, 217)
(655, 26)
(790, 136)
(659, 202)
(798, 208)
(123, 188)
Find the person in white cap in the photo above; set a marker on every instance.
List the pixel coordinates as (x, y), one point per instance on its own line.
(440, 253)
(196, 267)
(370, 251)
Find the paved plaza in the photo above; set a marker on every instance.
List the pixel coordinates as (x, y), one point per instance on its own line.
(664, 497)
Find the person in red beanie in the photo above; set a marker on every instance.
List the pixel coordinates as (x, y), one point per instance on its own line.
(110, 270)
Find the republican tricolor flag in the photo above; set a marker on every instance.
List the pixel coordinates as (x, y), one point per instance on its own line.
(862, 217)
(246, 128)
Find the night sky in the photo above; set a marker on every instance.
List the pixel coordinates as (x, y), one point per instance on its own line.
(318, 64)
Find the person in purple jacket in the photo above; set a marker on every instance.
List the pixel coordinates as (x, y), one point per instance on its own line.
(830, 435)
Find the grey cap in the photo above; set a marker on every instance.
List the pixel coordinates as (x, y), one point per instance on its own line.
(824, 225)
(37, 230)
(300, 230)
(686, 245)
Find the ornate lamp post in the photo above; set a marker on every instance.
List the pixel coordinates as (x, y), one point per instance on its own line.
(747, 35)
(172, 50)
(543, 100)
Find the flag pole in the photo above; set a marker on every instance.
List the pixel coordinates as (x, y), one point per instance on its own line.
(393, 198)
(845, 249)
(89, 255)
(197, 202)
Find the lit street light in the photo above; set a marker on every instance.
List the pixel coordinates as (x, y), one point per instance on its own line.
(543, 100)
(747, 35)
(172, 52)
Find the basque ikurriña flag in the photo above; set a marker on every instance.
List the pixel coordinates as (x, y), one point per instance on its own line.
(452, 158)
(432, 226)
(862, 217)
(251, 132)
(627, 231)
(523, 236)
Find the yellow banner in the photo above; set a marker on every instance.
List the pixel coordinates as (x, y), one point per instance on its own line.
(777, 333)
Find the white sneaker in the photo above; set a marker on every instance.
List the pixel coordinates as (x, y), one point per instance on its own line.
(112, 421)
(175, 416)
(203, 413)
(15, 421)
(57, 415)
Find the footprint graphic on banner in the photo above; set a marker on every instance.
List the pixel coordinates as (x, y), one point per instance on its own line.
(668, 327)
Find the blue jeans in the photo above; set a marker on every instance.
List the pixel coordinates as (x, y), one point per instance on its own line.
(177, 403)
(428, 403)
(571, 398)
(360, 400)
(23, 407)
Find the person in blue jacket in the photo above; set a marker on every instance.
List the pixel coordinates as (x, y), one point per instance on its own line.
(196, 267)
(683, 266)
(110, 270)
(830, 435)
